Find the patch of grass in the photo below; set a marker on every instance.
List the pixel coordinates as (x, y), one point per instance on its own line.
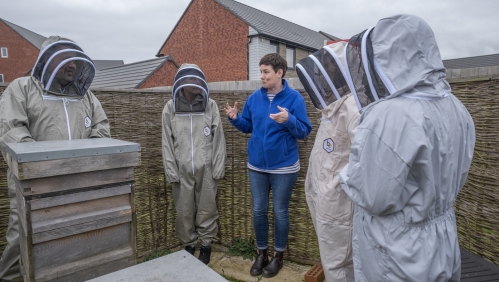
(156, 254)
(231, 279)
(244, 248)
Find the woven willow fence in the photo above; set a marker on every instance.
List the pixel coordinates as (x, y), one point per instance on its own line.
(477, 205)
(136, 116)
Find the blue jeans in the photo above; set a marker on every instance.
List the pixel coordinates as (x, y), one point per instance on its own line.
(282, 186)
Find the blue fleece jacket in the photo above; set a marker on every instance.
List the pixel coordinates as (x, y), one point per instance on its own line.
(273, 145)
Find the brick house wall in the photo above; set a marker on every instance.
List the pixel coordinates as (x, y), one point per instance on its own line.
(282, 52)
(161, 77)
(299, 54)
(213, 38)
(21, 54)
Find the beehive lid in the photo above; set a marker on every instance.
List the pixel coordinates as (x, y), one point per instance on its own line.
(65, 149)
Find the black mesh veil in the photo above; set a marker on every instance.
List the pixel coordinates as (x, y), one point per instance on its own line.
(373, 77)
(303, 70)
(63, 67)
(322, 77)
(190, 90)
(360, 63)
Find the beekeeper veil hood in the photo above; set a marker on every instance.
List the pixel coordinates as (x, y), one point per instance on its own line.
(323, 75)
(190, 90)
(407, 58)
(399, 56)
(359, 59)
(63, 67)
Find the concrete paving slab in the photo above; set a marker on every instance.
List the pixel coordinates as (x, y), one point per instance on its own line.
(177, 267)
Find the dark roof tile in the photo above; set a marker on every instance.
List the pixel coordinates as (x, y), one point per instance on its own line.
(129, 75)
(102, 64)
(274, 27)
(472, 62)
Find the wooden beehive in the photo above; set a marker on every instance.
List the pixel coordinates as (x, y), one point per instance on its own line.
(75, 200)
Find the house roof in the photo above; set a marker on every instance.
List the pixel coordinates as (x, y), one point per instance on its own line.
(274, 27)
(129, 75)
(329, 36)
(270, 26)
(102, 64)
(34, 38)
(472, 62)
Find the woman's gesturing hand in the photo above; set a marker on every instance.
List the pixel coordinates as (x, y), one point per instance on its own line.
(231, 112)
(281, 117)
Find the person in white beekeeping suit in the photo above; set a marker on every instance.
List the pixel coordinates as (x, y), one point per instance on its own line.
(194, 158)
(54, 103)
(410, 156)
(325, 78)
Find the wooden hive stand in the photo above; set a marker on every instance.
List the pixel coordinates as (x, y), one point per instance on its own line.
(75, 200)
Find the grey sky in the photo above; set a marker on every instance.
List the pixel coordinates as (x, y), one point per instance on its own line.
(133, 30)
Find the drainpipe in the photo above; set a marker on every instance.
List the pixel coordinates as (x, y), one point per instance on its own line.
(247, 58)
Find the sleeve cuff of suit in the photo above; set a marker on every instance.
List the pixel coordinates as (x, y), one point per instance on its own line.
(233, 121)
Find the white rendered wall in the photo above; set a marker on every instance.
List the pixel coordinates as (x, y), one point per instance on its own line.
(258, 47)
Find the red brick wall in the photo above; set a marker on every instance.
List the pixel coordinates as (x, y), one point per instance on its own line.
(161, 77)
(213, 38)
(21, 54)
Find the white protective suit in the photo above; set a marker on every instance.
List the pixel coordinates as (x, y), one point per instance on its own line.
(409, 159)
(193, 147)
(330, 208)
(36, 108)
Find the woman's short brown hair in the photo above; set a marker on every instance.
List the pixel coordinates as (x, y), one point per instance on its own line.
(276, 61)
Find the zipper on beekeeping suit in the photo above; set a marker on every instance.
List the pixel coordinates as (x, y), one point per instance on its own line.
(65, 102)
(192, 139)
(192, 147)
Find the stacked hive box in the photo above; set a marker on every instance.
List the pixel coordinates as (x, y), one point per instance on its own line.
(75, 200)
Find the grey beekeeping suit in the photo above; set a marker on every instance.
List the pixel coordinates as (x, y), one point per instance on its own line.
(40, 108)
(409, 159)
(193, 147)
(323, 75)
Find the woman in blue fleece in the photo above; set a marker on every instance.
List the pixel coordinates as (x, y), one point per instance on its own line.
(276, 117)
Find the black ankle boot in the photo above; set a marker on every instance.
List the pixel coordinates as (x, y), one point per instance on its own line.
(205, 254)
(274, 266)
(261, 261)
(190, 249)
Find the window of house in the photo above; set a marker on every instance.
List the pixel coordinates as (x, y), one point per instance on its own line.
(274, 47)
(1, 77)
(290, 57)
(4, 52)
